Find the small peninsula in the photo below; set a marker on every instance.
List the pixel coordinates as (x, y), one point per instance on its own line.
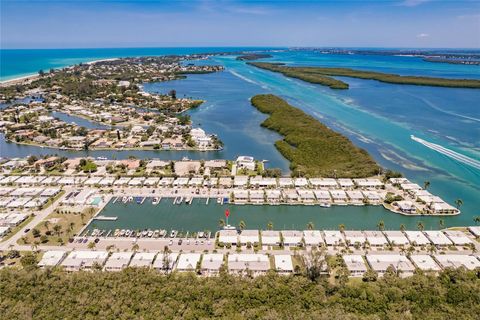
(312, 148)
(254, 56)
(322, 76)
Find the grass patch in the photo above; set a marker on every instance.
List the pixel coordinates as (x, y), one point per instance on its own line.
(67, 224)
(312, 148)
(319, 75)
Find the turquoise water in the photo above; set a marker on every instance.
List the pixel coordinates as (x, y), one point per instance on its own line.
(376, 116)
(22, 62)
(199, 217)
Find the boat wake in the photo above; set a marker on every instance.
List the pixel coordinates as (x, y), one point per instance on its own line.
(449, 153)
(243, 78)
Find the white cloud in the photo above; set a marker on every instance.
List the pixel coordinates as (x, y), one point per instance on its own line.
(423, 35)
(413, 3)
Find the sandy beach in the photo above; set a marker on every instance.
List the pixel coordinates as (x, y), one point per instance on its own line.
(33, 76)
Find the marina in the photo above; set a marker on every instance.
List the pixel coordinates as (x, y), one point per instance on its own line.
(198, 216)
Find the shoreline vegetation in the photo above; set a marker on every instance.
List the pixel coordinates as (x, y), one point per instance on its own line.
(311, 147)
(322, 76)
(254, 56)
(143, 293)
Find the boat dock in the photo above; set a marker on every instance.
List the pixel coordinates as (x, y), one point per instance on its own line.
(105, 218)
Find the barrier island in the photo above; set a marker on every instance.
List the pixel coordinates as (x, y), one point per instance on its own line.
(311, 147)
(322, 76)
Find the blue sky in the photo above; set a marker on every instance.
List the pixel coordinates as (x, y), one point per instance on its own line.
(374, 23)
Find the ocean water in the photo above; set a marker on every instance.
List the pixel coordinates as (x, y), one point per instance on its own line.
(376, 116)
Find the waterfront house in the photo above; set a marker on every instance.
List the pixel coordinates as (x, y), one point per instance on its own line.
(301, 183)
(368, 183)
(142, 259)
(355, 196)
(458, 237)
(247, 236)
(292, 237)
(211, 264)
(122, 182)
(273, 195)
(354, 237)
(325, 183)
(457, 260)
(240, 181)
(257, 196)
(283, 264)
(355, 265)
(405, 206)
(372, 197)
(312, 238)
(271, 237)
(339, 196)
(195, 182)
(93, 181)
(118, 261)
(165, 262)
(376, 238)
(183, 168)
(346, 183)
(225, 182)
(107, 182)
(381, 262)
(475, 230)
(50, 180)
(290, 195)
(240, 196)
(333, 237)
(417, 238)
(396, 238)
(245, 162)
(285, 182)
(256, 264)
(4, 231)
(151, 182)
(425, 262)
(228, 236)
(438, 238)
(166, 182)
(306, 196)
(51, 258)
(322, 196)
(84, 260)
(136, 182)
(188, 262)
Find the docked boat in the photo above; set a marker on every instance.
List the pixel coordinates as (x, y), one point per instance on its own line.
(173, 233)
(150, 233)
(116, 233)
(229, 227)
(122, 233)
(124, 199)
(156, 233)
(130, 199)
(155, 201)
(325, 205)
(128, 233)
(163, 233)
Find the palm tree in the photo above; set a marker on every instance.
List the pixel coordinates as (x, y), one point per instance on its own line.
(91, 245)
(58, 229)
(135, 247)
(270, 225)
(381, 225)
(221, 223)
(46, 224)
(82, 216)
(476, 219)
(441, 223)
(420, 226)
(341, 227)
(426, 184)
(458, 203)
(242, 225)
(71, 225)
(310, 226)
(402, 227)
